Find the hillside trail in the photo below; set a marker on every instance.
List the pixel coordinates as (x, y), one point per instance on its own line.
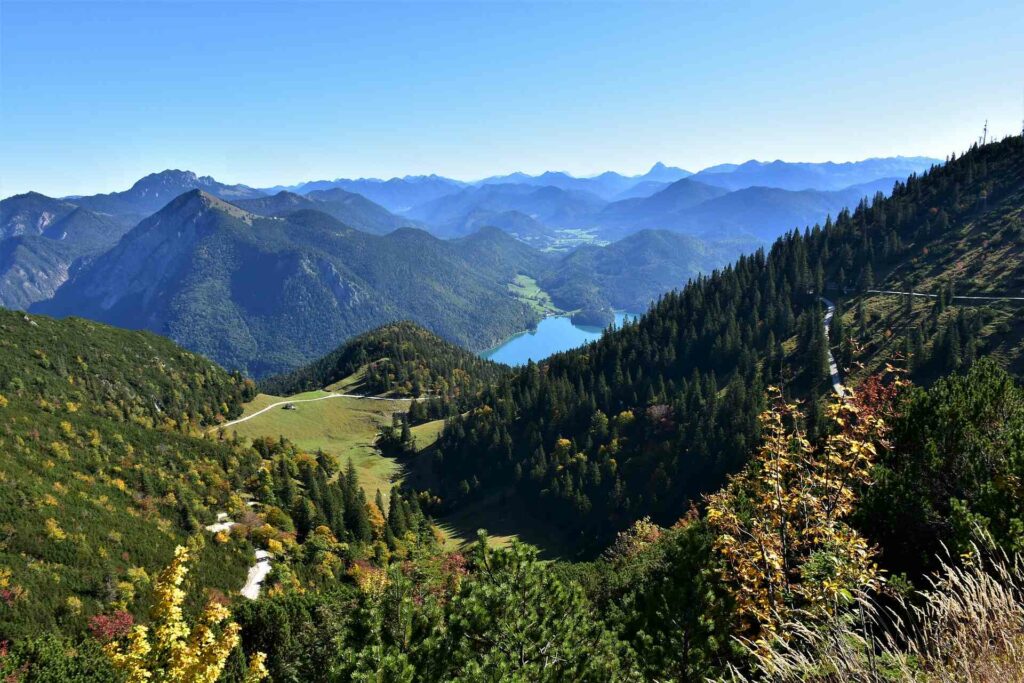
(259, 571)
(955, 296)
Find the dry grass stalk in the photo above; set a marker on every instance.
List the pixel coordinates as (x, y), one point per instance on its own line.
(967, 627)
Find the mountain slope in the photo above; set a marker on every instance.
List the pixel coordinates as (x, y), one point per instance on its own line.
(32, 268)
(43, 239)
(30, 214)
(711, 212)
(764, 212)
(63, 234)
(640, 190)
(632, 273)
(351, 209)
(497, 252)
(656, 414)
(102, 477)
(267, 294)
(629, 215)
(457, 214)
(515, 223)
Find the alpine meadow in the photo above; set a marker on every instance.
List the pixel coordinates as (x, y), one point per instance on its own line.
(511, 341)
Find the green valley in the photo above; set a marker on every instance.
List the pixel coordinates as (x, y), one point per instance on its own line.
(344, 428)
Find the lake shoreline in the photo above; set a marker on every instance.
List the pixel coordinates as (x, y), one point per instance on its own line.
(563, 337)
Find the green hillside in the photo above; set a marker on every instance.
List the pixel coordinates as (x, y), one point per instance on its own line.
(965, 263)
(101, 478)
(265, 295)
(111, 463)
(653, 416)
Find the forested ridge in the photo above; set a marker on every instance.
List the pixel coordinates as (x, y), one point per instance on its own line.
(398, 359)
(102, 474)
(652, 416)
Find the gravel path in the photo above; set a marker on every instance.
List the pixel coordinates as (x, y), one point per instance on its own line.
(833, 369)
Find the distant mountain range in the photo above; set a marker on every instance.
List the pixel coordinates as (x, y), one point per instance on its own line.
(786, 175)
(264, 281)
(607, 185)
(458, 214)
(265, 294)
(536, 208)
(762, 213)
(396, 194)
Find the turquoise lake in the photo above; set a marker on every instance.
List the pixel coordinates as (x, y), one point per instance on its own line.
(551, 336)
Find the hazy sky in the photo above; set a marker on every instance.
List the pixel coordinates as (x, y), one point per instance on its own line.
(93, 96)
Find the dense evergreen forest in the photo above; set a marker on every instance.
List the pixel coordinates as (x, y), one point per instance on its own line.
(649, 418)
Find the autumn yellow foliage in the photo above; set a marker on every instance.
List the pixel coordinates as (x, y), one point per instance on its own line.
(172, 651)
(377, 520)
(781, 523)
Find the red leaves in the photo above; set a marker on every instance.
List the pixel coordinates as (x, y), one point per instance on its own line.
(107, 627)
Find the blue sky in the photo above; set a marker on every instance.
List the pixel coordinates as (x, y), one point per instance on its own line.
(93, 96)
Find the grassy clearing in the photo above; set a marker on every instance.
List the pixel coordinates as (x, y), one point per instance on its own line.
(263, 400)
(343, 427)
(347, 429)
(426, 434)
(527, 290)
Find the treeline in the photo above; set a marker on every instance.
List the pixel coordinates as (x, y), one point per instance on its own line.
(400, 359)
(651, 416)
